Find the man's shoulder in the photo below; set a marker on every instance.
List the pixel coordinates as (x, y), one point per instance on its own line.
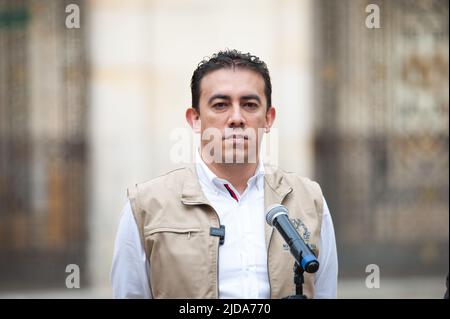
(174, 174)
(301, 185)
(169, 180)
(289, 176)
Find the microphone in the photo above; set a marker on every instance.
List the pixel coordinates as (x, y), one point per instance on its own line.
(277, 216)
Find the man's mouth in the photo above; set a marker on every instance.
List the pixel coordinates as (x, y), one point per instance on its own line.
(235, 137)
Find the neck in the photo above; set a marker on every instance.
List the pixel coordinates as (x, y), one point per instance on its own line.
(237, 174)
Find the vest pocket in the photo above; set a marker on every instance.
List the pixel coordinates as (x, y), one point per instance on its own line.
(187, 231)
(179, 259)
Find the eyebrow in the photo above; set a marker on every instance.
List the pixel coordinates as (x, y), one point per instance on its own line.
(251, 97)
(218, 96)
(227, 97)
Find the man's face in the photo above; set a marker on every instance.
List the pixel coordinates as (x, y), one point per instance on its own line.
(233, 115)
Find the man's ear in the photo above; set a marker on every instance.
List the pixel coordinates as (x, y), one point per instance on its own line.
(270, 118)
(193, 118)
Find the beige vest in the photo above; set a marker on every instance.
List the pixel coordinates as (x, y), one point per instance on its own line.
(174, 220)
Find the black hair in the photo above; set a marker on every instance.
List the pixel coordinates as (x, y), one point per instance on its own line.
(229, 59)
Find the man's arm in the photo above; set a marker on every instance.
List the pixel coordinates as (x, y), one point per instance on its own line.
(326, 276)
(130, 268)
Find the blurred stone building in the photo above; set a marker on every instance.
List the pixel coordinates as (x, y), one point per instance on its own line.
(381, 135)
(86, 112)
(43, 145)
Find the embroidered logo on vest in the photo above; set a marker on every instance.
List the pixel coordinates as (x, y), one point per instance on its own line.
(301, 228)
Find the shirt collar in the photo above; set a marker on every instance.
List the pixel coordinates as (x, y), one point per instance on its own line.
(206, 176)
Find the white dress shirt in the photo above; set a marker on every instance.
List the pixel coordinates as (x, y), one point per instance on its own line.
(242, 257)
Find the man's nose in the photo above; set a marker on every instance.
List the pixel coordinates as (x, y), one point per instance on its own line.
(236, 119)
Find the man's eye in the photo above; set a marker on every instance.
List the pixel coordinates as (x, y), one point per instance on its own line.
(251, 105)
(219, 106)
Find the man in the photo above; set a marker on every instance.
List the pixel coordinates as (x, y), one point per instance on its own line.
(200, 231)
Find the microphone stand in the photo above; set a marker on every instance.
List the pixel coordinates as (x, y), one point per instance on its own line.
(298, 280)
